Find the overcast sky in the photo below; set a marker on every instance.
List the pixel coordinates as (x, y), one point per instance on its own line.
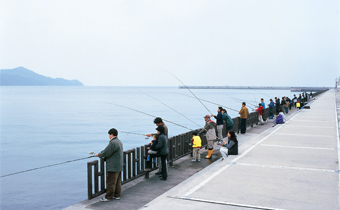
(213, 42)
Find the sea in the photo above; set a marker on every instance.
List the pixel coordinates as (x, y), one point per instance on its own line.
(42, 126)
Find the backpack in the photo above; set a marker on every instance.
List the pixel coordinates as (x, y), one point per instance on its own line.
(279, 119)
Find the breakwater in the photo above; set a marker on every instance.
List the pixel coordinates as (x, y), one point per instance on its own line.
(134, 162)
(293, 89)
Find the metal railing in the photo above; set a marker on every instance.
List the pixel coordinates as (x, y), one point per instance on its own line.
(134, 159)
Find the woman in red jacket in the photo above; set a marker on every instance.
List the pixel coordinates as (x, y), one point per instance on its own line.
(260, 110)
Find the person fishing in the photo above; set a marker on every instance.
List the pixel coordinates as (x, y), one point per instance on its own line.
(159, 122)
(271, 108)
(244, 115)
(260, 111)
(229, 147)
(163, 151)
(114, 166)
(210, 133)
(228, 120)
(219, 122)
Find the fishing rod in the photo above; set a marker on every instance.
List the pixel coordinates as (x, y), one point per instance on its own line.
(191, 92)
(211, 102)
(146, 137)
(241, 100)
(33, 169)
(149, 115)
(170, 108)
(263, 93)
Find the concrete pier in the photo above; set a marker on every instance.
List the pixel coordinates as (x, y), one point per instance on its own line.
(289, 166)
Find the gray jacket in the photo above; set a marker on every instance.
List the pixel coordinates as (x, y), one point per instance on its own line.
(162, 145)
(114, 155)
(209, 130)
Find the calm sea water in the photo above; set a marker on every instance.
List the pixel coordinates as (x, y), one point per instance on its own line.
(47, 125)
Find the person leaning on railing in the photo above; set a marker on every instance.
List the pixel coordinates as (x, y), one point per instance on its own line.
(114, 166)
(159, 122)
(163, 151)
(244, 115)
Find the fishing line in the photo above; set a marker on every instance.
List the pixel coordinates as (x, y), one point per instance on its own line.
(190, 92)
(47, 166)
(170, 108)
(263, 93)
(241, 100)
(211, 102)
(149, 115)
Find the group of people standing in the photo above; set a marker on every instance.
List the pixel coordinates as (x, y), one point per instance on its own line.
(158, 147)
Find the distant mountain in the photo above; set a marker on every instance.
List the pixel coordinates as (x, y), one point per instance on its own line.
(23, 77)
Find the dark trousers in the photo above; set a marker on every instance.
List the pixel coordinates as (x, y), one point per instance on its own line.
(113, 184)
(271, 113)
(243, 125)
(164, 164)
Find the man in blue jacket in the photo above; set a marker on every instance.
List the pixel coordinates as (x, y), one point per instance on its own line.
(219, 123)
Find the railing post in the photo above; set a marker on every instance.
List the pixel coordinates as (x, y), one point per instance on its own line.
(138, 160)
(124, 167)
(102, 175)
(129, 163)
(89, 179)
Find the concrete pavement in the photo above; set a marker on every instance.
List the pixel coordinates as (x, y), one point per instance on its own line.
(290, 166)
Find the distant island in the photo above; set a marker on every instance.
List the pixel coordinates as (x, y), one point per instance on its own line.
(23, 77)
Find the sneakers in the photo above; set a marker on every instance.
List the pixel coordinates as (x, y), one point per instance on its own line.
(193, 160)
(158, 173)
(147, 169)
(103, 199)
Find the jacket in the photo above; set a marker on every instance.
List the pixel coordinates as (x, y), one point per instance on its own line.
(196, 142)
(166, 131)
(219, 118)
(162, 145)
(228, 119)
(244, 113)
(263, 105)
(283, 116)
(260, 110)
(232, 147)
(209, 130)
(114, 155)
(271, 104)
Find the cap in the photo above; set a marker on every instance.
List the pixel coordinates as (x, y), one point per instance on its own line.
(207, 116)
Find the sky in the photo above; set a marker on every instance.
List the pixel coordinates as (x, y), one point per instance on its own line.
(142, 43)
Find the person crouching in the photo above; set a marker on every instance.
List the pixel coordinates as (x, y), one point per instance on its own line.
(230, 147)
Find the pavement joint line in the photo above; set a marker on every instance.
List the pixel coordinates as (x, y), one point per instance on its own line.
(212, 176)
(223, 203)
(297, 147)
(287, 167)
(306, 126)
(318, 121)
(338, 138)
(308, 135)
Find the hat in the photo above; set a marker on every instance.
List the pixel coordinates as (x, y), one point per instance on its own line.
(160, 129)
(207, 116)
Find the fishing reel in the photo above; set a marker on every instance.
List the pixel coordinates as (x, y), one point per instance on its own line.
(219, 141)
(92, 154)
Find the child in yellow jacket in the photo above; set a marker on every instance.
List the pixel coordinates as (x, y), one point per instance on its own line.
(196, 146)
